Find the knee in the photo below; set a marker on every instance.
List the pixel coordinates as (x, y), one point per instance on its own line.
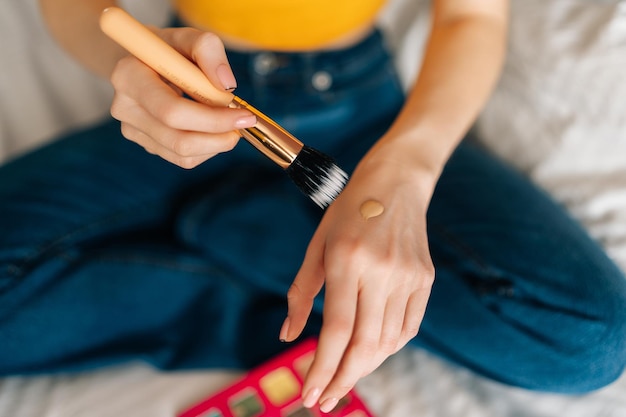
(592, 357)
(605, 360)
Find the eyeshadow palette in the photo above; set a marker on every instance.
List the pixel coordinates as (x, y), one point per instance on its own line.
(273, 389)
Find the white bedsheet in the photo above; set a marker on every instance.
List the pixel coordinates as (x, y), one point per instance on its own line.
(559, 114)
(410, 384)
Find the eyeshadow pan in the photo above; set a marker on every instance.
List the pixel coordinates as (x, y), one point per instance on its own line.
(303, 363)
(246, 403)
(280, 386)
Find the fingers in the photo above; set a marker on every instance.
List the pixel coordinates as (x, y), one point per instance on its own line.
(390, 332)
(139, 85)
(371, 311)
(398, 331)
(340, 309)
(155, 115)
(347, 348)
(181, 155)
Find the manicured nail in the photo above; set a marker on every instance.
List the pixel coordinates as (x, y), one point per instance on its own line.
(311, 397)
(284, 330)
(328, 405)
(226, 77)
(246, 121)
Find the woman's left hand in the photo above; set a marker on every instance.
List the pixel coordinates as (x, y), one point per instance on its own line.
(377, 274)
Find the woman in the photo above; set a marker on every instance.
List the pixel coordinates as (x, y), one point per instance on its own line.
(135, 257)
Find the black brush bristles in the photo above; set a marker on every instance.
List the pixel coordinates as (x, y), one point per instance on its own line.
(317, 176)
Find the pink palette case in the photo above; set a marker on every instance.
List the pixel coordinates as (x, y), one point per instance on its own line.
(273, 389)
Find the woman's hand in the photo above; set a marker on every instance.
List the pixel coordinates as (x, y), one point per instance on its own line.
(155, 115)
(377, 275)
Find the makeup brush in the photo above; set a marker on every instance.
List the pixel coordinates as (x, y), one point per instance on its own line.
(315, 173)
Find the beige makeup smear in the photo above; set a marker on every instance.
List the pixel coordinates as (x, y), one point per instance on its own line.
(371, 208)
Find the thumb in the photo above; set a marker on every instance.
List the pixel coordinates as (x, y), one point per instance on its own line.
(210, 55)
(207, 51)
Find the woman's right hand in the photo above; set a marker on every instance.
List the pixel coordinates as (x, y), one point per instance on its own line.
(157, 116)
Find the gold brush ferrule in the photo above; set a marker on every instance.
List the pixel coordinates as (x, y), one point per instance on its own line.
(269, 137)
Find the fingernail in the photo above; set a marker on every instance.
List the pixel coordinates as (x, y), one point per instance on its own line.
(226, 77)
(328, 405)
(246, 121)
(311, 397)
(284, 330)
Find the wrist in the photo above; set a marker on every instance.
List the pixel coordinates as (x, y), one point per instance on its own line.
(418, 154)
(388, 168)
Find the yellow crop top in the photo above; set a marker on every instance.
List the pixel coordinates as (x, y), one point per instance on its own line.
(280, 24)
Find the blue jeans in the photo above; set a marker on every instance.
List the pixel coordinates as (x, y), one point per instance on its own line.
(110, 254)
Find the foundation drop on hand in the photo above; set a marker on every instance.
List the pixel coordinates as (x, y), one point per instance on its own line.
(371, 208)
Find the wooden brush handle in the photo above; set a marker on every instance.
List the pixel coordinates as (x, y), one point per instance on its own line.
(161, 57)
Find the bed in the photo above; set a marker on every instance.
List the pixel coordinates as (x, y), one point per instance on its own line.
(558, 114)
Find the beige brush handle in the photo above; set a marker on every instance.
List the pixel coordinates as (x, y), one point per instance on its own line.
(161, 57)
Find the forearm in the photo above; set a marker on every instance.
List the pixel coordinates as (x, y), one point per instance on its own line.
(74, 24)
(461, 65)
